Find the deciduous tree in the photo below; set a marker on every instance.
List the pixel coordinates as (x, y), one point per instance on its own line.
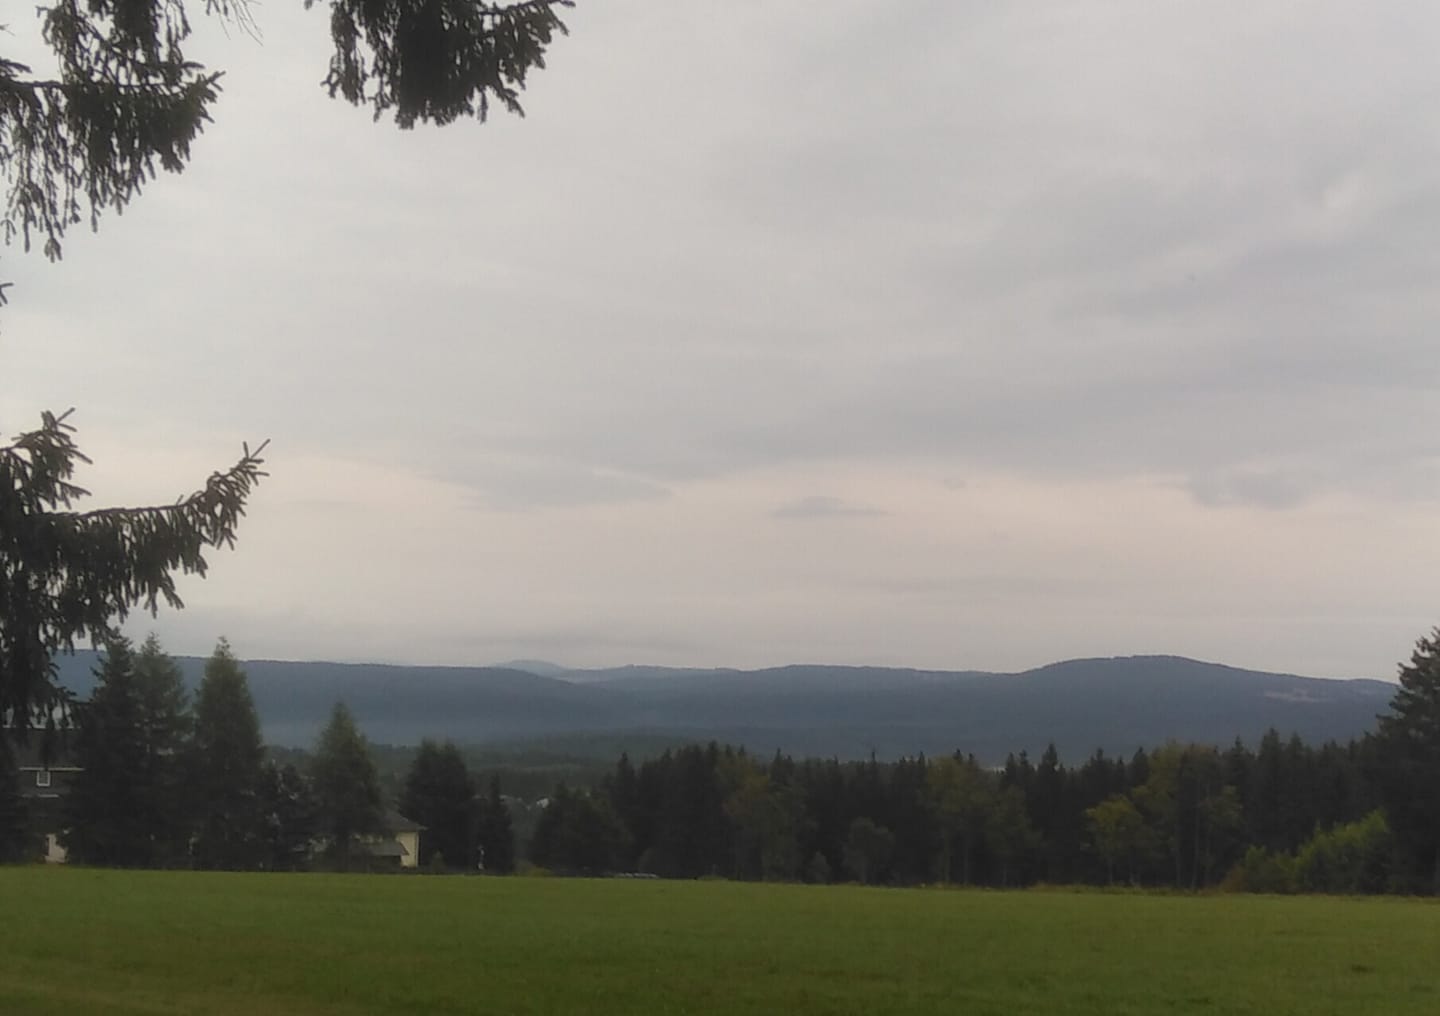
(764, 813)
(867, 849)
(962, 795)
(1008, 833)
(1118, 834)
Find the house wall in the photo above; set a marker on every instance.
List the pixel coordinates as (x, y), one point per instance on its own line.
(411, 842)
(43, 783)
(54, 852)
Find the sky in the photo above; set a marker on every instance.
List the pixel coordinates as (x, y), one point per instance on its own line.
(939, 334)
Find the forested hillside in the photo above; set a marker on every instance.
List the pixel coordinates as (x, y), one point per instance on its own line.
(1116, 704)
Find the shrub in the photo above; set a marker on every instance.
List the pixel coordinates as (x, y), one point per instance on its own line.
(1354, 858)
(1261, 871)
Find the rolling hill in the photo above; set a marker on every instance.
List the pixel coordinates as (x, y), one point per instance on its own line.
(1118, 704)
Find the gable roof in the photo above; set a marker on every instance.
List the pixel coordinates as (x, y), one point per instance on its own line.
(397, 823)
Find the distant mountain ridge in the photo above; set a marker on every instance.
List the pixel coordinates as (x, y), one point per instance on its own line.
(1118, 704)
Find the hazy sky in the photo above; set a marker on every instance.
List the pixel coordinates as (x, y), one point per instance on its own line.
(944, 334)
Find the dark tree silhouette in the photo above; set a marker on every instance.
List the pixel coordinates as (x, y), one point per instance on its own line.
(127, 101)
(1407, 763)
(440, 795)
(123, 102)
(227, 768)
(122, 808)
(346, 787)
(68, 575)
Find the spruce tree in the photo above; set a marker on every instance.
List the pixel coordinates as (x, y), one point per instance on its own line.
(67, 576)
(346, 786)
(13, 820)
(108, 810)
(440, 795)
(227, 760)
(1407, 753)
(125, 101)
(961, 794)
(496, 834)
(289, 821)
(128, 98)
(164, 726)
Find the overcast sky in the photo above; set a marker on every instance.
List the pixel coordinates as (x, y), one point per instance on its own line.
(940, 334)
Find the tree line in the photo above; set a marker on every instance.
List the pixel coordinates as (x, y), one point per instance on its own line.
(1283, 816)
(162, 781)
(1178, 815)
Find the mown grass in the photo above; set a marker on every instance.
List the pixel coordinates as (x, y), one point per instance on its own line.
(77, 941)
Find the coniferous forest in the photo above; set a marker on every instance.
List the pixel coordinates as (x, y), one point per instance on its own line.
(1279, 816)
(1283, 816)
(160, 781)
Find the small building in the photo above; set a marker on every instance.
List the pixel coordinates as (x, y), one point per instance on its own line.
(399, 845)
(45, 770)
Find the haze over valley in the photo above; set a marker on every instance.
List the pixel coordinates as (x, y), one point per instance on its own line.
(1118, 704)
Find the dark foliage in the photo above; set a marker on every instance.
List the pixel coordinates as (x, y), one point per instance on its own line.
(345, 785)
(14, 841)
(440, 795)
(227, 777)
(1181, 815)
(578, 833)
(67, 575)
(437, 60)
(289, 822)
(123, 808)
(1406, 761)
(127, 101)
(496, 832)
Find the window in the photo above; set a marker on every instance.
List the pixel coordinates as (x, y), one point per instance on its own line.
(42, 778)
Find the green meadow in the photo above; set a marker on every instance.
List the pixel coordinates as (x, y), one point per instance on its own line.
(87, 941)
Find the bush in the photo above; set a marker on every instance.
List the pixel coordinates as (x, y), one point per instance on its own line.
(1354, 858)
(817, 871)
(1349, 859)
(1261, 871)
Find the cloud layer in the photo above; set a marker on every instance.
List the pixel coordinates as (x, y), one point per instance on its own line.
(952, 335)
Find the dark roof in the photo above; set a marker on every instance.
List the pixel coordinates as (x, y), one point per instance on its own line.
(40, 749)
(398, 823)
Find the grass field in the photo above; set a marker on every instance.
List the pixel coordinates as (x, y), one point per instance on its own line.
(77, 941)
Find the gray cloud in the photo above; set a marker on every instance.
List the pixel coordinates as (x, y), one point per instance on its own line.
(522, 486)
(1264, 488)
(822, 506)
(1133, 252)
